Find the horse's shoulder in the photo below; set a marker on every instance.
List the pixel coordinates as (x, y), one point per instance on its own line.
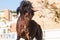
(34, 23)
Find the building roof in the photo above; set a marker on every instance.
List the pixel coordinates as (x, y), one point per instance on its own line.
(12, 11)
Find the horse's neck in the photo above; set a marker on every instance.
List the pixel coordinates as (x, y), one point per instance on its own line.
(22, 17)
(24, 21)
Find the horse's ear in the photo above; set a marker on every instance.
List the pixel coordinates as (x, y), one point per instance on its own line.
(18, 10)
(34, 9)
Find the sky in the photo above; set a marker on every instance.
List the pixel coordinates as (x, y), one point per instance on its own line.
(9, 4)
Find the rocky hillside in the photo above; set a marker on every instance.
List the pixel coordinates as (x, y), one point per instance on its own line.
(47, 14)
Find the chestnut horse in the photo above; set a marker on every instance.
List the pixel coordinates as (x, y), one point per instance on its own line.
(26, 27)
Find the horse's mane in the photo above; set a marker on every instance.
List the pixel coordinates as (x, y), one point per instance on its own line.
(25, 7)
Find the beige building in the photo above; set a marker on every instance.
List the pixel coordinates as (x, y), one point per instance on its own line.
(7, 16)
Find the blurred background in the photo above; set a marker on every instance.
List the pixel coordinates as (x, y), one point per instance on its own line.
(47, 15)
